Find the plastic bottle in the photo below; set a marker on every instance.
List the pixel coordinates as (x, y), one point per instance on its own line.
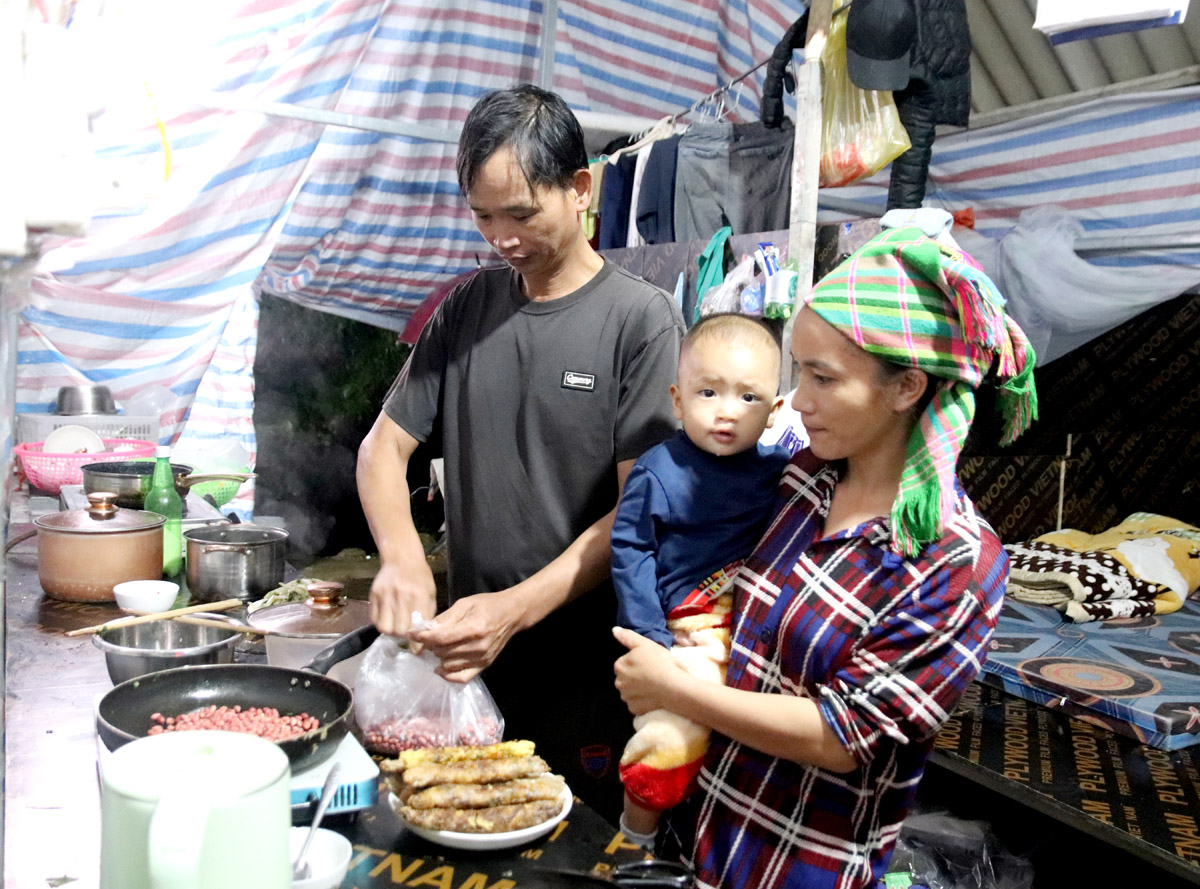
(781, 292)
(165, 500)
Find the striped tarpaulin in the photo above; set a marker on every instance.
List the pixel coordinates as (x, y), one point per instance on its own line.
(366, 225)
(1122, 165)
(337, 219)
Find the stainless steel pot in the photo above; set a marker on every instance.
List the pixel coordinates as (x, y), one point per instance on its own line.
(234, 561)
(82, 400)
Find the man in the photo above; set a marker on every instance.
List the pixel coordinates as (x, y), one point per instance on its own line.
(542, 383)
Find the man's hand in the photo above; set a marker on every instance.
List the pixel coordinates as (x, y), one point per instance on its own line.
(646, 674)
(404, 583)
(397, 592)
(471, 633)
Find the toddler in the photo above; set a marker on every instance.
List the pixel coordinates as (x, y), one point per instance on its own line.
(691, 508)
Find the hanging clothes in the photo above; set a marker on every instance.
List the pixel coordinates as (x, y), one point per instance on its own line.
(735, 174)
(616, 198)
(591, 216)
(634, 238)
(921, 50)
(712, 266)
(656, 201)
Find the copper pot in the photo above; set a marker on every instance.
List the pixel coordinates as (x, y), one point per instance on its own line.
(84, 553)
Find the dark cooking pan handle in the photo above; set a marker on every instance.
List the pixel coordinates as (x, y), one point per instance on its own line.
(346, 647)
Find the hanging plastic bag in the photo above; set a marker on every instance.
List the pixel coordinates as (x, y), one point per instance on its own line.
(727, 296)
(402, 704)
(861, 132)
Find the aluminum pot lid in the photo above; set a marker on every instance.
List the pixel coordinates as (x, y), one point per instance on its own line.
(102, 516)
(326, 614)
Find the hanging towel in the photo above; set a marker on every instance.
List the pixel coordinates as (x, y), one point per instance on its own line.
(712, 266)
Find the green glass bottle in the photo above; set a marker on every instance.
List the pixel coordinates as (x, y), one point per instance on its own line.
(165, 500)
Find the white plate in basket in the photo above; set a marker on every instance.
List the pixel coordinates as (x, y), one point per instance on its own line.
(483, 842)
(72, 440)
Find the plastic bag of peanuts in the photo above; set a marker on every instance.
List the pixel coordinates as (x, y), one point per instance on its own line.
(402, 704)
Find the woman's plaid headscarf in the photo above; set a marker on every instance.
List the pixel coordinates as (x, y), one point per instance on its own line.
(914, 302)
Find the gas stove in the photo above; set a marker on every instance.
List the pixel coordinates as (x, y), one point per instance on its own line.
(358, 787)
(196, 510)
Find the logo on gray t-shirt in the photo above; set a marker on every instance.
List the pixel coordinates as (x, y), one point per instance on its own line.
(573, 379)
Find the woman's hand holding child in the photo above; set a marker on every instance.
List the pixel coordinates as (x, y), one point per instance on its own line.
(646, 674)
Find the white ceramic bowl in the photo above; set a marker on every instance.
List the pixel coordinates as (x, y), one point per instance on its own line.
(328, 857)
(146, 595)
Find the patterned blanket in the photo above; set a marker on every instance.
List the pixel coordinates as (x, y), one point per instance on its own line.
(1148, 564)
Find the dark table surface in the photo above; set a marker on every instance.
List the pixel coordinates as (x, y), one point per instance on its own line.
(1138, 798)
(52, 798)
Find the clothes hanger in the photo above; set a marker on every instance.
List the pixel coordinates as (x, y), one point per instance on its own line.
(667, 126)
(661, 130)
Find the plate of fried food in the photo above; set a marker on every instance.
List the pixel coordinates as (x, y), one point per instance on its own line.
(497, 796)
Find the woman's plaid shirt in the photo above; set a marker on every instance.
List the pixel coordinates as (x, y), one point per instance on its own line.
(884, 645)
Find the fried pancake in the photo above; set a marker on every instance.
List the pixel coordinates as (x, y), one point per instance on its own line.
(502, 750)
(483, 796)
(494, 819)
(475, 771)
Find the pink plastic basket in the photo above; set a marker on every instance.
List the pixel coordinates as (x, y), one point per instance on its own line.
(49, 472)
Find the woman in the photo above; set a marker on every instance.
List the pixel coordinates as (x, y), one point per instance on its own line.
(865, 610)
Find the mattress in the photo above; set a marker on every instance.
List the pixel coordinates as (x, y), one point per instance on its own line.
(1139, 677)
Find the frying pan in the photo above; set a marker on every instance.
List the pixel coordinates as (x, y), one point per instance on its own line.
(130, 479)
(123, 714)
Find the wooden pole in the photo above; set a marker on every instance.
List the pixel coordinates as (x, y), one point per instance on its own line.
(806, 162)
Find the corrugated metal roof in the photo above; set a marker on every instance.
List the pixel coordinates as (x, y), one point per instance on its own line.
(1013, 65)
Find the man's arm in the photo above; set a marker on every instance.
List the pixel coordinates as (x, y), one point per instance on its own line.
(404, 583)
(470, 634)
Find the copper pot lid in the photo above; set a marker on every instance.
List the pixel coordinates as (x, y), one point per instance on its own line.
(102, 516)
(326, 614)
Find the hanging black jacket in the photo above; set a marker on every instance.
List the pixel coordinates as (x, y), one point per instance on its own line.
(938, 92)
(941, 57)
(778, 75)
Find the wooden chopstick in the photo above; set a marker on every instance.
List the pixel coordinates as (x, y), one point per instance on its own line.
(223, 605)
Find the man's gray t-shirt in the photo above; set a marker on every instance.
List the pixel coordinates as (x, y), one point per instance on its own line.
(535, 403)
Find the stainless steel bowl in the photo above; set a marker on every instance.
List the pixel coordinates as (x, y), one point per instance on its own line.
(81, 400)
(163, 645)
